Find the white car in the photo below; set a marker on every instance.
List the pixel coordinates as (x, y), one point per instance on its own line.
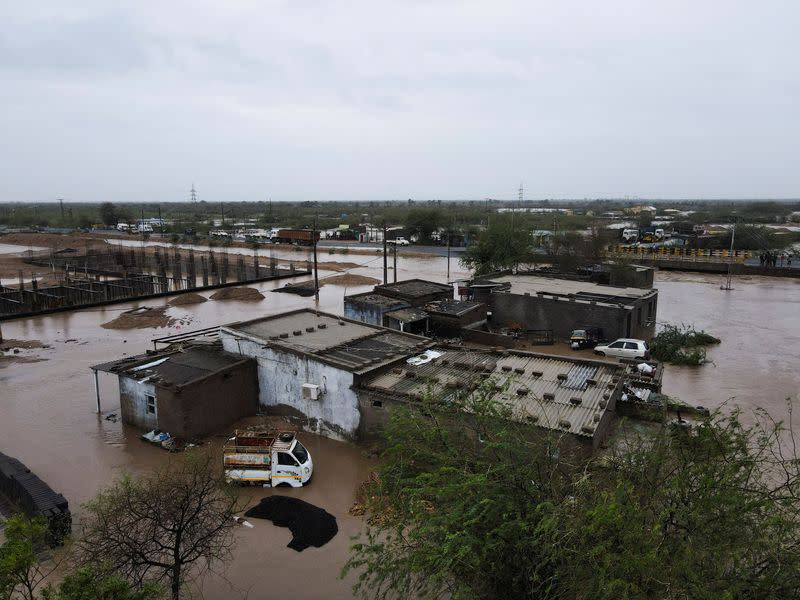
(625, 348)
(401, 241)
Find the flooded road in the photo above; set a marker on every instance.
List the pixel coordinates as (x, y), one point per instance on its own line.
(46, 417)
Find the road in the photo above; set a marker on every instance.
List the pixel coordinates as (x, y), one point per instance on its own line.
(433, 250)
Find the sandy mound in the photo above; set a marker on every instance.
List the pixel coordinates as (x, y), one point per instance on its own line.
(333, 265)
(238, 293)
(185, 299)
(350, 279)
(141, 318)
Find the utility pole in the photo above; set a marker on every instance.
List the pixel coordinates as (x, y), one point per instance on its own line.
(316, 274)
(160, 221)
(395, 263)
(727, 286)
(222, 210)
(61, 202)
(385, 267)
(448, 257)
(193, 193)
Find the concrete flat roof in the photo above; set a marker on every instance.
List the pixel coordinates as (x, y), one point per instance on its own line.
(533, 284)
(452, 308)
(553, 392)
(415, 288)
(329, 338)
(408, 315)
(377, 299)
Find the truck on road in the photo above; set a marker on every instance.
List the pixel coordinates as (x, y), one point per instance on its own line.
(265, 457)
(301, 237)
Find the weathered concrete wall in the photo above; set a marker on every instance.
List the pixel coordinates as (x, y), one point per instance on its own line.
(367, 312)
(209, 405)
(562, 315)
(133, 404)
(281, 375)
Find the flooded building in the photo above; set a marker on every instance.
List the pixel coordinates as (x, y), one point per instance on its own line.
(561, 305)
(310, 364)
(416, 292)
(370, 307)
(189, 391)
(575, 397)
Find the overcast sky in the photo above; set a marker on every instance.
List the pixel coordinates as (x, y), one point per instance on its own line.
(307, 100)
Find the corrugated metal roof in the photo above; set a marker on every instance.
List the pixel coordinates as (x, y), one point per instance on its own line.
(552, 392)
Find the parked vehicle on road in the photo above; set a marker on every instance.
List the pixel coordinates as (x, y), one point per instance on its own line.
(299, 237)
(625, 348)
(586, 337)
(400, 241)
(266, 457)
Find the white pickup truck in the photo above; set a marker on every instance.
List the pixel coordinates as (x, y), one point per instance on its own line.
(266, 457)
(400, 241)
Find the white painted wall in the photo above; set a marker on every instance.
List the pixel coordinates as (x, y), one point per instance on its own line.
(133, 404)
(281, 376)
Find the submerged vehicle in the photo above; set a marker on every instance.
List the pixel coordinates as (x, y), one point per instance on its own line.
(266, 457)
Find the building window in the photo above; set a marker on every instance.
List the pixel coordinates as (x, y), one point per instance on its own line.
(151, 404)
(377, 404)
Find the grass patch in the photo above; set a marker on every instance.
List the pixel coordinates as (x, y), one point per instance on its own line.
(682, 345)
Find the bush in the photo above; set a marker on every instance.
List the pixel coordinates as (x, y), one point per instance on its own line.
(682, 345)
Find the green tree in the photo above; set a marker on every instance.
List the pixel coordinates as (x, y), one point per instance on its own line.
(109, 214)
(162, 527)
(21, 571)
(502, 245)
(470, 503)
(86, 584)
(422, 222)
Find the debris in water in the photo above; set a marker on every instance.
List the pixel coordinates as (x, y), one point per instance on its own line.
(238, 293)
(309, 524)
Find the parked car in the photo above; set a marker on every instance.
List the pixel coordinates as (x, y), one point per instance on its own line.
(625, 348)
(586, 337)
(401, 241)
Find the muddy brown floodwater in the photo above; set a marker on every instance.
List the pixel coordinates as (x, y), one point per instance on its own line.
(47, 419)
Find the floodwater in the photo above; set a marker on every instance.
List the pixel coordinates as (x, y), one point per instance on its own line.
(47, 419)
(17, 249)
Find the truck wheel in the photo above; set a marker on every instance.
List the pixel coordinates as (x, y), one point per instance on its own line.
(600, 353)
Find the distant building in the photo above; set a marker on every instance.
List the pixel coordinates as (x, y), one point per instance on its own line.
(189, 392)
(561, 305)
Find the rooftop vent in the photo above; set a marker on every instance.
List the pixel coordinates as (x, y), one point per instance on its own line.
(596, 417)
(549, 396)
(283, 336)
(297, 332)
(506, 368)
(342, 323)
(309, 329)
(562, 376)
(602, 403)
(564, 424)
(532, 418)
(591, 382)
(576, 400)
(587, 429)
(322, 326)
(522, 391)
(410, 374)
(536, 373)
(519, 370)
